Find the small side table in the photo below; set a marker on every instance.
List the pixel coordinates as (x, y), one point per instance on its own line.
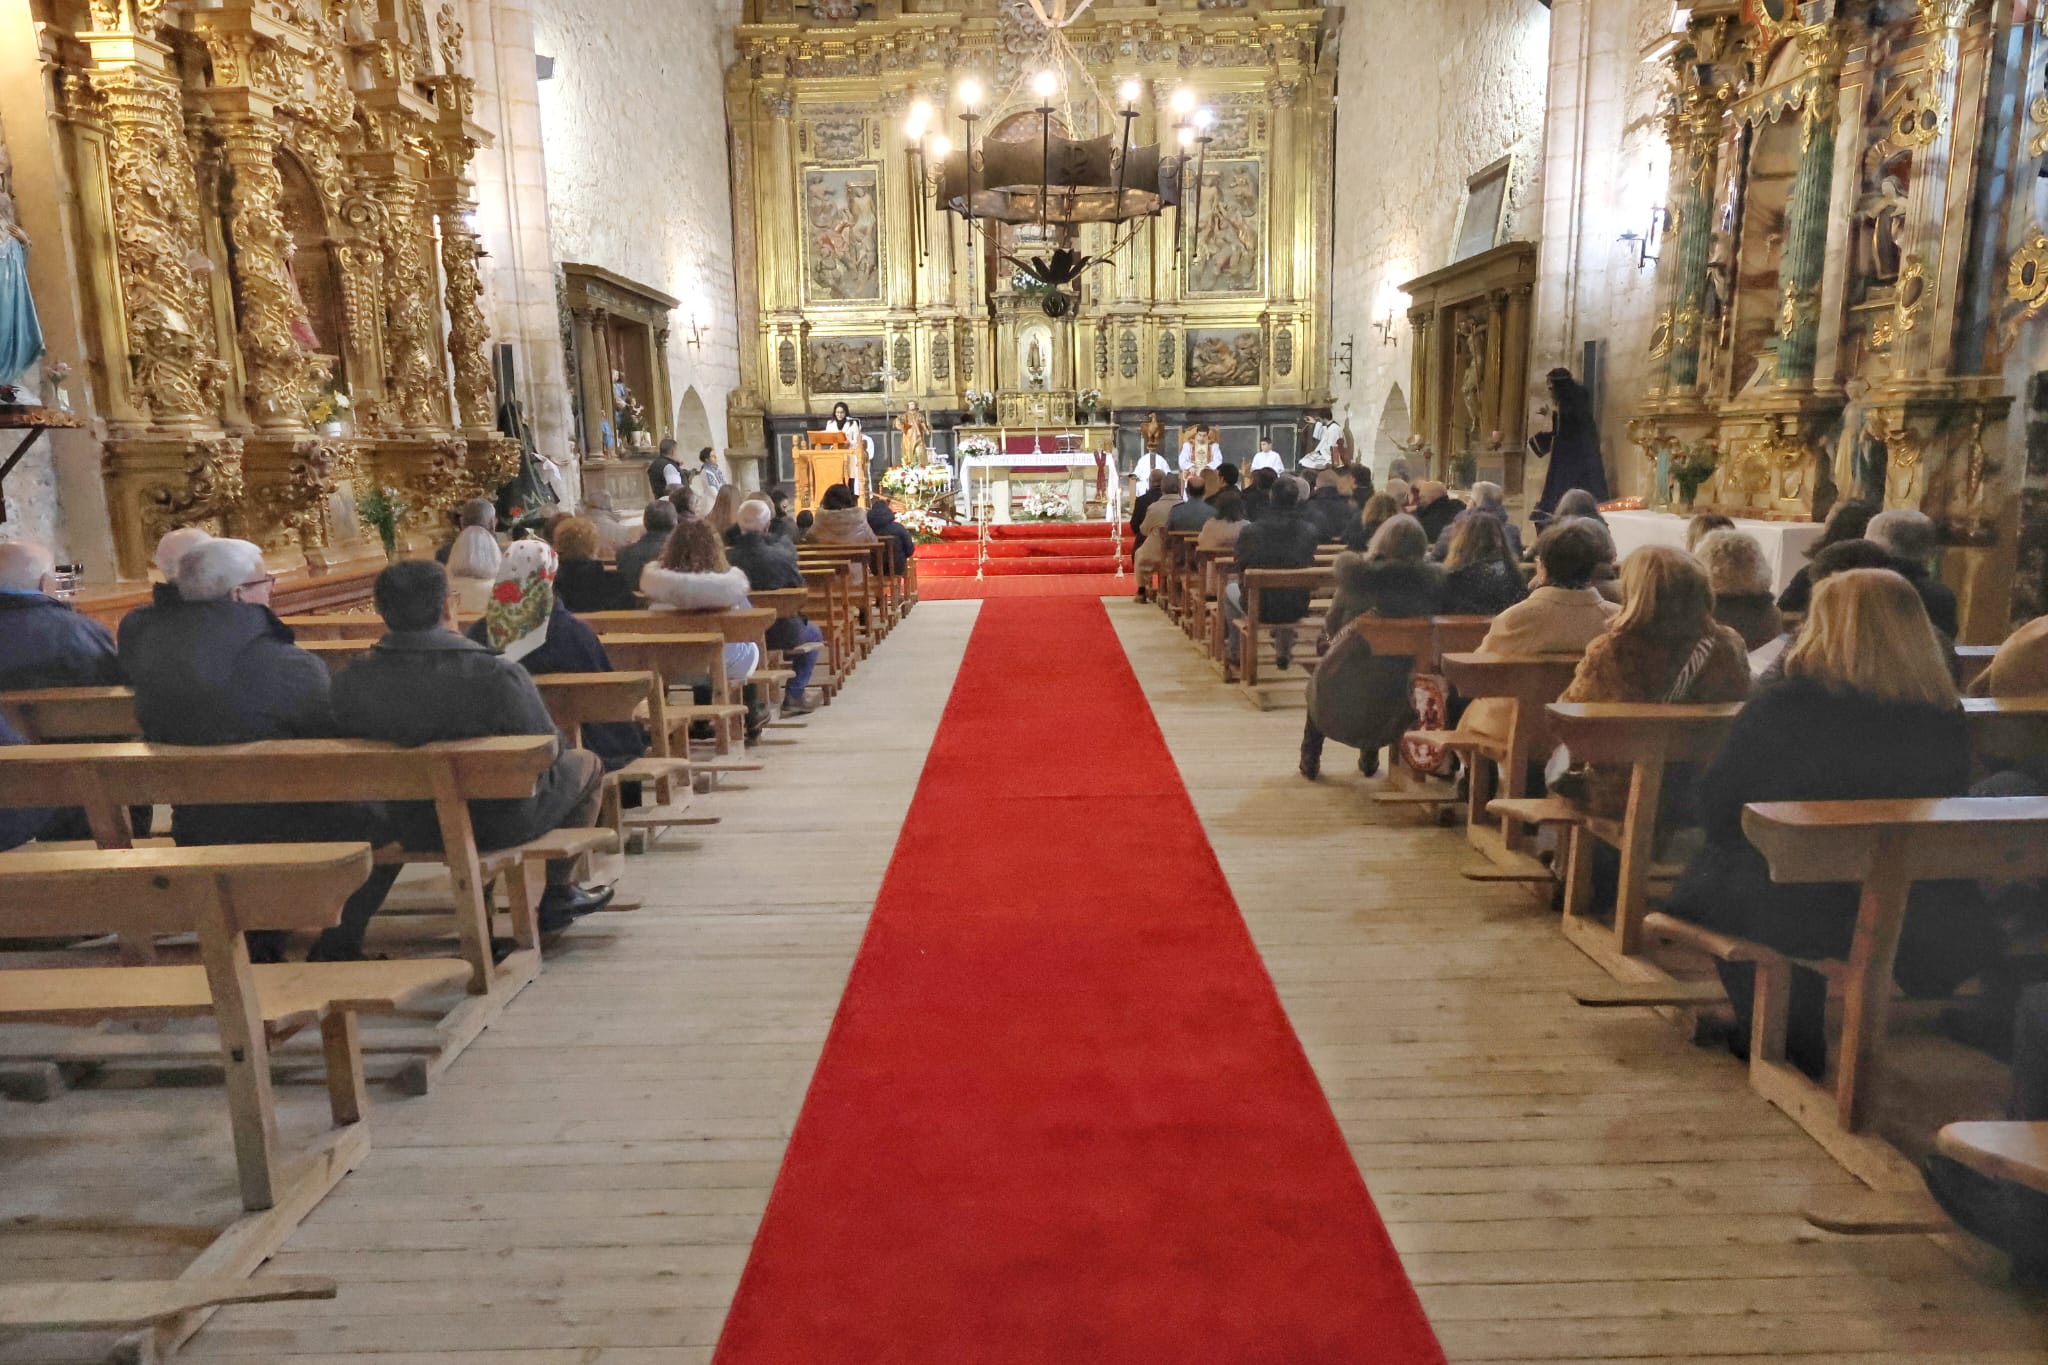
(31, 422)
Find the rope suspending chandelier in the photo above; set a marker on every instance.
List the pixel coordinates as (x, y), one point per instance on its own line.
(1053, 185)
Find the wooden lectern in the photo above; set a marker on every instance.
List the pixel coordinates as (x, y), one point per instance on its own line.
(822, 459)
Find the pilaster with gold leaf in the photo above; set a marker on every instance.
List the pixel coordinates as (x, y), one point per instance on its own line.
(453, 142)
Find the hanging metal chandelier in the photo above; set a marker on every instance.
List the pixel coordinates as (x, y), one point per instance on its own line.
(1055, 183)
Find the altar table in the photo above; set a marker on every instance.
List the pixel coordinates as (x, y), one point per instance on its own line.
(1077, 469)
(1786, 544)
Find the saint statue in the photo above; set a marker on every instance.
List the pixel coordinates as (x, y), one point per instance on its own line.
(1572, 444)
(21, 332)
(1472, 337)
(1034, 364)
(1153, 432)
(916, 430)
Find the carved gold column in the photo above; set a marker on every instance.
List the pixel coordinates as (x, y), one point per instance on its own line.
(462, 292)
(1806, 213)
(174, 370)
(1920, 350)
(1696, 134)
(592, 389)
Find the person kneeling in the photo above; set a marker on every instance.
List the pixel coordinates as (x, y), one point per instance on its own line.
(424, 683)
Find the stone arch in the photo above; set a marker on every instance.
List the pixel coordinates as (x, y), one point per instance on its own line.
(1394, 429)
(693, 425)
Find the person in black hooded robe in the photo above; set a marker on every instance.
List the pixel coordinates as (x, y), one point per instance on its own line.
(1572, 445)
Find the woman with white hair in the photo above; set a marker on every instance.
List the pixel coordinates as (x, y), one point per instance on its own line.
(473, 569)
(1741, 580)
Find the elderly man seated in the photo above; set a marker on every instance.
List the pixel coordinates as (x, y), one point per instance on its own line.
(43, 642)
(213, 666)
(770, 565)
(424, 682)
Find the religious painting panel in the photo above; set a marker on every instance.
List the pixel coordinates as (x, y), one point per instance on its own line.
(842, 234)
(841, 364)
(1484, 212)
(1223, 358)
(836, 11)
(1228, 255)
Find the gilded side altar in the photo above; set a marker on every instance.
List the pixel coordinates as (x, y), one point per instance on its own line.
(270, 204)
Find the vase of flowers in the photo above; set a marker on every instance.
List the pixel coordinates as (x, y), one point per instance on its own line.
(1090, 401)
(329, 412)
(978, 404)
(1044, 502)
(977, 447)
(380, 510)
(1691, 468)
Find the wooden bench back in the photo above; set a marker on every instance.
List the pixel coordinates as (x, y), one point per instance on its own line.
(284, 770)
(54, 715)
(2003, 838)
(575, 700)
(1614, 732)
(784, 602)
(737, 625)
(351, 626)
(157, 891)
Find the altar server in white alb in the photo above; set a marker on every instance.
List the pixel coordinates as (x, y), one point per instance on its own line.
(1203, 449)
(1323, 435)
(1269, 458)
(1150, 463)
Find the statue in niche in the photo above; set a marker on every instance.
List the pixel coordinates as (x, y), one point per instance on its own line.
(1472, 378)
(1865, 434)
(1882, 222)
(1034, 363)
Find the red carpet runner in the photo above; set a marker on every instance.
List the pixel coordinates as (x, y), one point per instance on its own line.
(1061, 1118)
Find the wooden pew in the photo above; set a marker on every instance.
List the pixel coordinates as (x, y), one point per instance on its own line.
(1320, 582)
(1974, 661)
(218, 894)
(106, 779)
(60, 714)
(677, 660)
(1501, 761)
(1884, 847)
(2014, 1151)
(742, 625)
(873, 594)
(1646, 739)
(343, 626)
(575, 700)
(831, 606)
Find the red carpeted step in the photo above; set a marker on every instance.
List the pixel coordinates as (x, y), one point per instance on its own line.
(966, 566)
(1033, 530)
(1021, 549)
(1061, 1117)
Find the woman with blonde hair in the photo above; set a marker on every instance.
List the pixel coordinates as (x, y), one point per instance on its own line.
(1866, 711)
(1482, 575)
(1378, 510)
(725, 509)
(1663, 647)
(473, 569)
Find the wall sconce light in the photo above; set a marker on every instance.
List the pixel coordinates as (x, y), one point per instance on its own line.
(1648, 242)
(1341, 359)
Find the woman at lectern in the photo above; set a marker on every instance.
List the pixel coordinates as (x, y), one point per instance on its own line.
(843, 421)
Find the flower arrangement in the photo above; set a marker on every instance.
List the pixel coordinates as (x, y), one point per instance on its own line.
(381, 511)
(327, 407)
(54, 374)
(977, 447)
(917, 482)
(1045, 502)
(1692, 466)
(1090, 401)
(978, 404)
(925, 526)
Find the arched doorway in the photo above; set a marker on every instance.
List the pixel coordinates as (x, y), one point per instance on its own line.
(693, 425)
(1393, 429)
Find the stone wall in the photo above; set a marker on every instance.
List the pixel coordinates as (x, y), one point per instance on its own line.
(1427, 95)
(637, 180)
(1605, 166)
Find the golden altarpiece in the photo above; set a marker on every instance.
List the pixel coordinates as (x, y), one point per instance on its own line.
(852, 299)
(1832, 285)
(272, 202)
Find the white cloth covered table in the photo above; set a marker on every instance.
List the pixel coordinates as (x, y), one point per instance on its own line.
(1786, 544)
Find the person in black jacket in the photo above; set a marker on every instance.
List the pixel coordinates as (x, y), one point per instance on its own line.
(424, 683)
(882, 520)
(43, 641)
(1866, 710)
(1483, 576)
(1155, 489)
(1328, 510)
(1911, 538)
(215, 666)
(1848, 521)
(585, 582)
(1279, 539)
(1435, 508)
(770, 565)
(655, 524)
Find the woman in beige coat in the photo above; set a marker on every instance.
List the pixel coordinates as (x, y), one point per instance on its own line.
(1151, 556)
(1562, 614)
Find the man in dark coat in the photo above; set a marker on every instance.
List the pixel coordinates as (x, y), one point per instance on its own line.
(1328, 510)
(1911, 538)
(424, 683)
(770, 565)
(1280, 538)
(1155, 489)
(666, 476)
(656, 523)
(43, 641)
(1435, 508)
(215, 666)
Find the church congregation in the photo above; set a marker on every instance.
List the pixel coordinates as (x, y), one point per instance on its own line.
(923, 682)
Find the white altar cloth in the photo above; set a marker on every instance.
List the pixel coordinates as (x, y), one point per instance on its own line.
(998, 472)
(1786, 544)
